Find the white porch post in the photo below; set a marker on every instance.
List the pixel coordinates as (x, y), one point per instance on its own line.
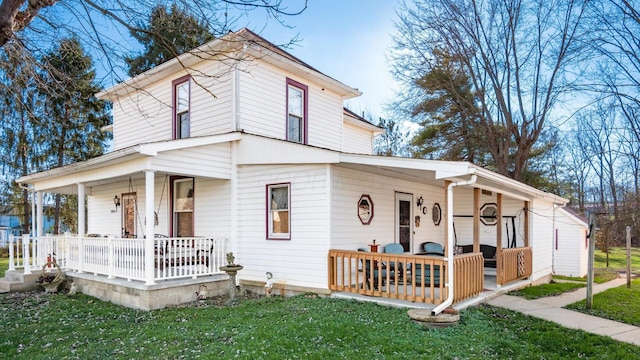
(26, 254)
(149, 182)
(81, 210)
(39, 230)
(33, 213)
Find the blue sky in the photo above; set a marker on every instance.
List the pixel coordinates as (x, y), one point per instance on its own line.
(348, 40)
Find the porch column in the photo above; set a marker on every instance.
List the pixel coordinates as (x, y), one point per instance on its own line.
(81, 210)
(149, 182)
(526, 224)
(476, 220)
(39, 222)
(445, 216)
(33, 213)
(499, 270)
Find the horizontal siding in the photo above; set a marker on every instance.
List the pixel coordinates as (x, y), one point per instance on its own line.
(145, 112)
(349, 233)
(541, 220)
(263, 107)
(301, 260)
(211, 203)
(149, 112)
(357, 140)
(211, 103)
(210, 160)
(262, 102)
(570, 254)
(325, 119)
(211, 206)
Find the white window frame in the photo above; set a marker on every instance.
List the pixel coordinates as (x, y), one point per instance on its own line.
(271, 212)
(179, 114)
(301, 116)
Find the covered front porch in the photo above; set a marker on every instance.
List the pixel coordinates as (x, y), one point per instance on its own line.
(483, 233)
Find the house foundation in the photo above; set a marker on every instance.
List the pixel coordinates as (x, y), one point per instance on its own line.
(148, 297)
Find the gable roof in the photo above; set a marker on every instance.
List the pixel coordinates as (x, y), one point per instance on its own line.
(232, 47)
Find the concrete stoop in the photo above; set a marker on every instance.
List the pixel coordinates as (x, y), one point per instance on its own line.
(17, 280)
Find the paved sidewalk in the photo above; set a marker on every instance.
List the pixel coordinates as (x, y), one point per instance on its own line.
(550, 308)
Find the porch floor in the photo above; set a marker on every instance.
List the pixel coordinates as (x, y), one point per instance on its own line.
(491, 290)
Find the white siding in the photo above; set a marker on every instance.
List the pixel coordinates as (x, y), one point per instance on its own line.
(541, 238)
(210, 160)
(357, 140)
(347, 230)
(303, 259)
(570, 247)
(263, 107)
(146, 116)
(211, 202)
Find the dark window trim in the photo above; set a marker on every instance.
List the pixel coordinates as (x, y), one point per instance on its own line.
(172, 180)
(305, 111)
(174, 105)
(268, 210)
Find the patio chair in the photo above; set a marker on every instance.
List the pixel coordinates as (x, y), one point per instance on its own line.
(432, 248)
(428, 273)
(395, 248)
(376, 272)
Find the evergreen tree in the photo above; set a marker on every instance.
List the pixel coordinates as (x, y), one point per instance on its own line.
(73, 117)
(18, 148)
(168, 34)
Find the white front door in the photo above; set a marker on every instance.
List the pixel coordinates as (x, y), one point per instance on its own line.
(404, 213)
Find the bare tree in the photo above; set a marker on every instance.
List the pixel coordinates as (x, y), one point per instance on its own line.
(517, 55)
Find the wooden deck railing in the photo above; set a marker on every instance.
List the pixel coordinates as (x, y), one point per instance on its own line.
(516, 264)
(468, 274)
(406, 277)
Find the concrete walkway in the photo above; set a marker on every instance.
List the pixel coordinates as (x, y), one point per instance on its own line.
(550, 308)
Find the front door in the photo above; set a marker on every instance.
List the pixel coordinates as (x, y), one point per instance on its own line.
(404, 229)
(129, 215)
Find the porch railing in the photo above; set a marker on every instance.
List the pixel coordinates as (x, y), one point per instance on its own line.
(517, 263)
(173, 258)
(405, 277)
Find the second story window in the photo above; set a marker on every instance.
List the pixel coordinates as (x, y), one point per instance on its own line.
(181, 104)
(296, 112)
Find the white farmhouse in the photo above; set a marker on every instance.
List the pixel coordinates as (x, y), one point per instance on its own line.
(238, 146)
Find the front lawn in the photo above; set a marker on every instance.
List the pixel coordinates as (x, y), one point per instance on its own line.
(55, 326)
(620, 304)
(617, 258)
(544, 290)
(4, 265)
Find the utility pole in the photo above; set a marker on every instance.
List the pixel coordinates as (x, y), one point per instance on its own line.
(628, 257)
(592, 249)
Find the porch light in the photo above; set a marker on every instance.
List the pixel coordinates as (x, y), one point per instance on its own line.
(116, 201)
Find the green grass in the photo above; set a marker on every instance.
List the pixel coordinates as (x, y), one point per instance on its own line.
(569, 278)
(544, 290)
(55, 326)
(617, 258)
(4, 265)
(620, 304)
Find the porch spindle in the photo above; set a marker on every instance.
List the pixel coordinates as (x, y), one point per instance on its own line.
(26, 254)
(12, 265)
(110, 258)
